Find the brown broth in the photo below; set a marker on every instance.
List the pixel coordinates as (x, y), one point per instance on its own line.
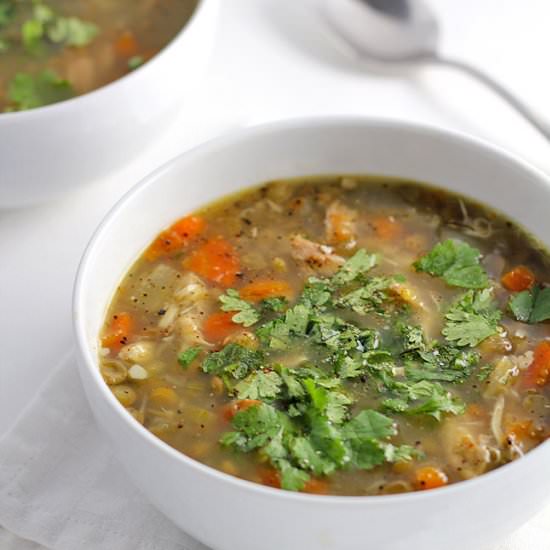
(401, 221)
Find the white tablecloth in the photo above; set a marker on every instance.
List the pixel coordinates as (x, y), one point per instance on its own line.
(275, 59)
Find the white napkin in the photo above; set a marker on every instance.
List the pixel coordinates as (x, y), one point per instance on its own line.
(61, 487)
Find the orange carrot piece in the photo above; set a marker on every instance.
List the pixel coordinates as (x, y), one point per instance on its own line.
(178, 235)
(260, 290)
(387, 227)
(118, 332)
(316, 486)
(219, 326)
(231, 409)
(430, 477)
(538, 372)
(518, 279)
(126, 44)
(270, 477)
(216, 260)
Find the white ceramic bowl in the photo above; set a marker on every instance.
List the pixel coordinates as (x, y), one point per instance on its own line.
(227, 513)
(47, 151)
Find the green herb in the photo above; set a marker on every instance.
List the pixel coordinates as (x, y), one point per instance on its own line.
(368, 298)
(248, 315)
(472, 318)
(26, 91)
(46, 26)
(259, 385)
(135, 62)
(277, 304)
(359, 264)
(4, 45)
(456, 262)
(485, 372)
(7, 11)
(423, 397)
(531, 306)
(233, 360)
(185, 358)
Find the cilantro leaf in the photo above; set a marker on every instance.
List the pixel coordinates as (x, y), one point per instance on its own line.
(308, 458)
(292, 478)
(72, 31)
(434, 399)
(234, 360)
(277, 304)
(231, 301)
(185, 358)
(531, 306)
(259, 385)
(46, 26)
(317, 293)
(332, 404)
(276, 334)
(440, 401)
(254, 428)
(7, 11)
(327, 439)
(135, 61)
(369, 297)
(472, 318)
(26, 91)
(354, 267)
(369, 424)
(456, 262)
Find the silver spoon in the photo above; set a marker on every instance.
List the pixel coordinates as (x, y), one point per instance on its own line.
(406, 32)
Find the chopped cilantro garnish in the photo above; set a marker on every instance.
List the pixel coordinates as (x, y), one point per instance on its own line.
(185, 358)
(356, 266)
(277, 304)
(233, 360)
(259, 385)
(423, 397)
(247, 314)
(456, 262)
(7, 11)
(46, 26)
(303, 423)
(472, 318)
(531, 306)
(485, 372)
(135, 62)
(369, 297)
(26, 91)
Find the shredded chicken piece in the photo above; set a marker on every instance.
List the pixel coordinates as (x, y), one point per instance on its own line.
(505, 372)
(189, 329)
(318, 257)
(468, 452)
(340, 223)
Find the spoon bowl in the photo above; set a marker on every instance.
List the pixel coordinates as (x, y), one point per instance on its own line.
(386, 30)
(407, 32)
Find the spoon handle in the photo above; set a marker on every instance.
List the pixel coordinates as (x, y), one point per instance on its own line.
(502, 91)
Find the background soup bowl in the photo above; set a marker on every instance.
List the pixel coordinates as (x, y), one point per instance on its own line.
(228, 513)
(47, 151)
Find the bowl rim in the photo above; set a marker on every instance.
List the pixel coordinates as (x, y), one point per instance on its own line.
(98, 93)
(89, 362)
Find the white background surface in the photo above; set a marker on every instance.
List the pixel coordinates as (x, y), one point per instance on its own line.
(274, 59)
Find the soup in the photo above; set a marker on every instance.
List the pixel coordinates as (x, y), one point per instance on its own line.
(57, 49)
(337, 335)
